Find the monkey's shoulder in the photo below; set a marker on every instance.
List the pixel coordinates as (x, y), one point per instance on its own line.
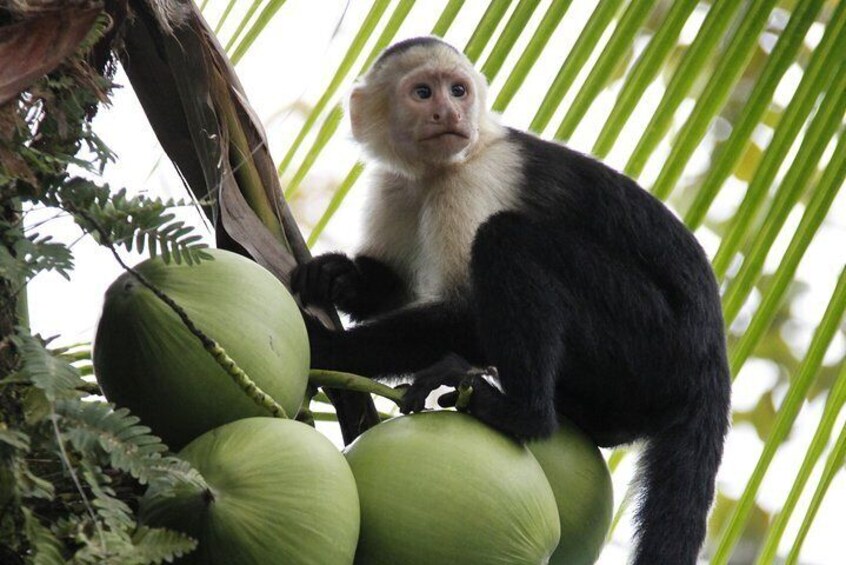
(550, 161)
(558, 177)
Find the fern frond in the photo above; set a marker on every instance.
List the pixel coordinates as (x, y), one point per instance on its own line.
(46, 549)
(16, 479)
(27, 256)
(113, 512)
(15, 439)
(145, 546)
(138, 222)
(39, 366)
(156, 545)
(106, 548)
(129, 446)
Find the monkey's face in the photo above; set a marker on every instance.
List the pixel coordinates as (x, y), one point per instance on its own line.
(434, 115)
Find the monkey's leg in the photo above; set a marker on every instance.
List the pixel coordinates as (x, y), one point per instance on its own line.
(571, 328)
(521, 310)
(517, 312)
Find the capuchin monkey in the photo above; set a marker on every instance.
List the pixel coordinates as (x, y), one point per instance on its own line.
(487, 246)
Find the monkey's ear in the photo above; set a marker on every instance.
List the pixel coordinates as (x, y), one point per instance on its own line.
(356, 109)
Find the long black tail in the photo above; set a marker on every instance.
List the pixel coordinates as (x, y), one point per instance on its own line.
(677, 473)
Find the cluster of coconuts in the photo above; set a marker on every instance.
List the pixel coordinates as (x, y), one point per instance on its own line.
(436, 487)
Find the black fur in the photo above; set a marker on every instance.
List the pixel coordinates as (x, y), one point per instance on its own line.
(361, 287)
(406, 44)
(593, 302)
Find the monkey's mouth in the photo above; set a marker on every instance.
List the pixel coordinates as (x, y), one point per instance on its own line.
(447, 134)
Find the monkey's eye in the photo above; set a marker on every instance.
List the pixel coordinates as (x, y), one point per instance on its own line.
(458, 90)
(422, 91)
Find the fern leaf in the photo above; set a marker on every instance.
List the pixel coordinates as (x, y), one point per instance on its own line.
(46, 548)
(129, 446)
(144, 546)
(166, 257)
(156, 545)
(152, 243)
(15, 439)
(57, 378)
(136, 222)
(114, 512)
(140, 240)
(107, 547)
(16, 479)
(32, 255)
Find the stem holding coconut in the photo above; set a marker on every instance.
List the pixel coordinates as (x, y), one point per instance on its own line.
(465, 391)
(349, 381)
(244, 382)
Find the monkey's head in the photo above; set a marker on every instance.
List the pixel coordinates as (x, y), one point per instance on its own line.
(420, 107)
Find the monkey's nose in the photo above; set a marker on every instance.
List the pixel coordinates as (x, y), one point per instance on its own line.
(449, 117)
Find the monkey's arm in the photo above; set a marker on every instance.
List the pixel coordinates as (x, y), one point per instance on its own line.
(362, 287)
(401, 342)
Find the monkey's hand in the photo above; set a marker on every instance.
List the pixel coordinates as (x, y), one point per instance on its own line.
(477, 392)
(479, 388)
(452, 371)
(332, 278)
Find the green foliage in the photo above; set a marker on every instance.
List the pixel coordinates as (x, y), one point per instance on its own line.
(154, 545)
(140, 222)
(72, 467)
(26, 256)
(46, 547)
(57, 379)
(129, 446)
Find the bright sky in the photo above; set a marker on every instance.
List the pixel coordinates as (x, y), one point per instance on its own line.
(290, 65)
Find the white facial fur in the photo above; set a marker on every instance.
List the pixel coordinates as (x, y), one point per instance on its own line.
(428, 200)
(416, 135)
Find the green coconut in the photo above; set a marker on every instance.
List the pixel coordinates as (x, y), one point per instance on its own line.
(582, 487)
(441, 487)
(146, 360)
(277, 491)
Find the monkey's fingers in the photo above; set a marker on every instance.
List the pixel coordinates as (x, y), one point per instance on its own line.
(314, 281)
(319, 278)
(460, 397)
(303, 283)
(412, 403)
(337, 277)
(345, 290)
(449, 371)
(448, 399)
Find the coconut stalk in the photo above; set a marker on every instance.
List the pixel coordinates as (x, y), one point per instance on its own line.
(200, 114)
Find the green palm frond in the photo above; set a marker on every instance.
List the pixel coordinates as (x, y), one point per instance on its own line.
(790, 407)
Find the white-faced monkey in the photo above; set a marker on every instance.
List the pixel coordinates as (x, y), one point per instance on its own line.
(487, 246)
